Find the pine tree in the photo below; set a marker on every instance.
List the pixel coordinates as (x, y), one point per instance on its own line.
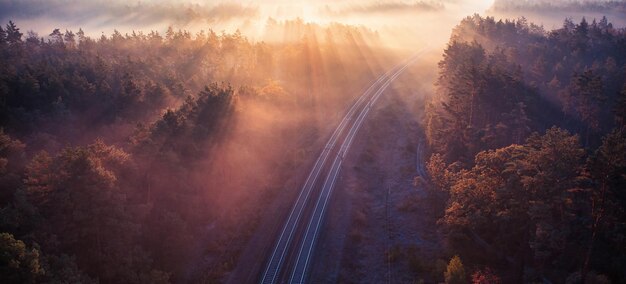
(585, 96)
(81, 36)
(607, 168)
(18, 263)
(57, 37)
(14, 36)
(77, 193)
(620, 108)
(70, 39)
(3, 36)
(455, 272)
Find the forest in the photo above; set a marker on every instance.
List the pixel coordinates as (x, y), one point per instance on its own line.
(152, 157)
(528, 133)
(602, 6)
(145, 158)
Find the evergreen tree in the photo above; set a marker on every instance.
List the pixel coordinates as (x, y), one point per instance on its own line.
(18, 263)
(70, 39)
(13, 34)
(455, 272)
(57, 37)
(3, 37)
(586, 95)
(620, 108)
(77, 193)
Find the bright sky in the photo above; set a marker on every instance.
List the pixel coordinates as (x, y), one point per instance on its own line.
(97, 16)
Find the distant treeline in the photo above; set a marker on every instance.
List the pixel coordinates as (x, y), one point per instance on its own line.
(528, 130)
(599, 6)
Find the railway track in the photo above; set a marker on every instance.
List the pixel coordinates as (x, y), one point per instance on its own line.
(292, 253)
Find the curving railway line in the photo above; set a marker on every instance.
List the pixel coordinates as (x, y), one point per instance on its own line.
(294, 247)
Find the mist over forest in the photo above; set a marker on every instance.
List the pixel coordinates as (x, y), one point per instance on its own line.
(168, 142)
(551, 13)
